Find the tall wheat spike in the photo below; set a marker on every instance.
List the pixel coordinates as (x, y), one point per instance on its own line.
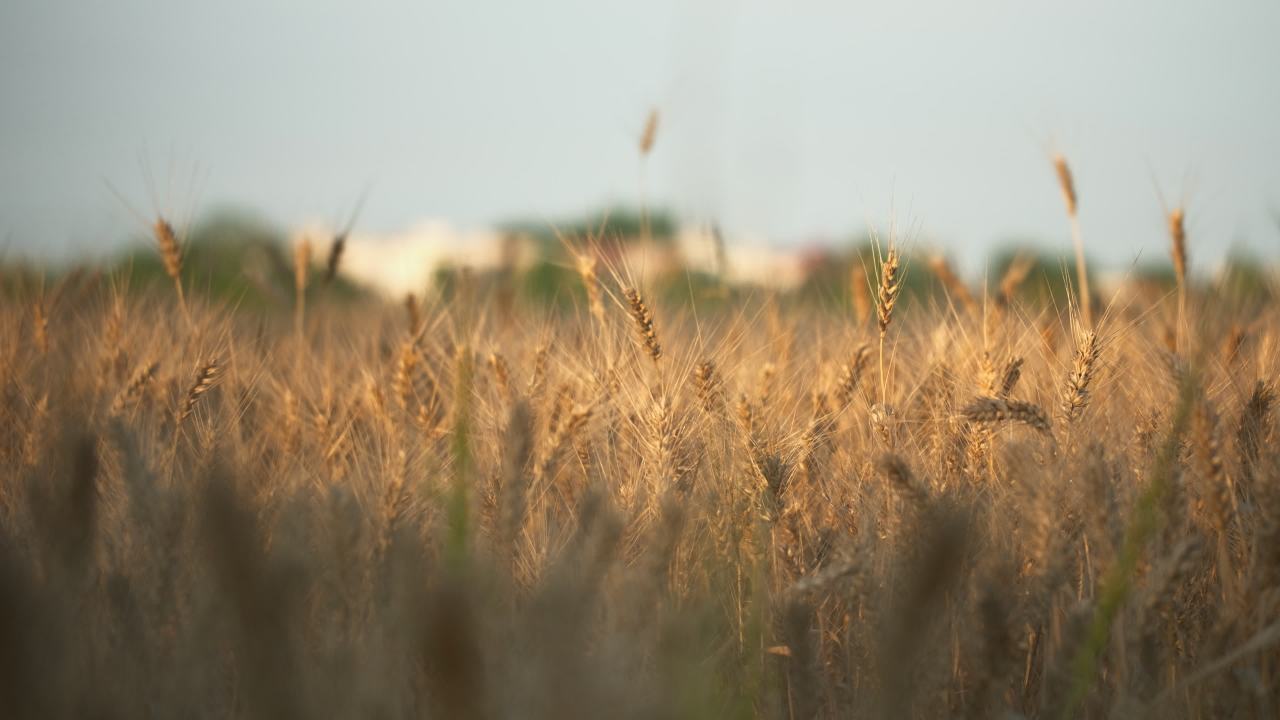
(1178, 251)
(647, 138)
(890, 286)
(171, 257)
(1068, 186)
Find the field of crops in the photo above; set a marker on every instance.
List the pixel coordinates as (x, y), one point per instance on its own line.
(975, 505)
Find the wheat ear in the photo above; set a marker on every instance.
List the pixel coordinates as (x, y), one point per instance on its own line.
(206, 377)
(171, 256)
(643, 318)
(890, 286)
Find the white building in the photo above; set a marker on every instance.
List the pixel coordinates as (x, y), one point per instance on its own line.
(403, 262)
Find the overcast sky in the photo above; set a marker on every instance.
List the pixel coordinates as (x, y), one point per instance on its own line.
(791, 121)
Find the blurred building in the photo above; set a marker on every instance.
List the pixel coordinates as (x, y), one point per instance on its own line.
(398, 263)
(409, 261)
(745, 260)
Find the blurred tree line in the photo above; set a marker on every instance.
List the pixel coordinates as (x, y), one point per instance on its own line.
(242, 259)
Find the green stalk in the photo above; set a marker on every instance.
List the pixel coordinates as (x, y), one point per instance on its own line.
(1117, 584)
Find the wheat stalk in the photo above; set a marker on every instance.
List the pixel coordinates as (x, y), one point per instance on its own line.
(647, 138)
(851, 374)
(1178, 250)
(1075, 396)
(902, 480)
(1009, 379)
(336, 250)
(643, 319)
(134, 388)
(890, 286)
(954, 285)
(1068, 186)
(586, 264)
(206, 377)
(650, 132)
(710, 387)
(171, 257)
(993, 410)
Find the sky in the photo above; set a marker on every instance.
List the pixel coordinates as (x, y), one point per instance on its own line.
(786, 122)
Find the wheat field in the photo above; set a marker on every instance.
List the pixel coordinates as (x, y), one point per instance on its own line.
(463, 507)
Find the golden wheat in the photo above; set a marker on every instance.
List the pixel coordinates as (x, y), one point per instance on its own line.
(424, 508)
